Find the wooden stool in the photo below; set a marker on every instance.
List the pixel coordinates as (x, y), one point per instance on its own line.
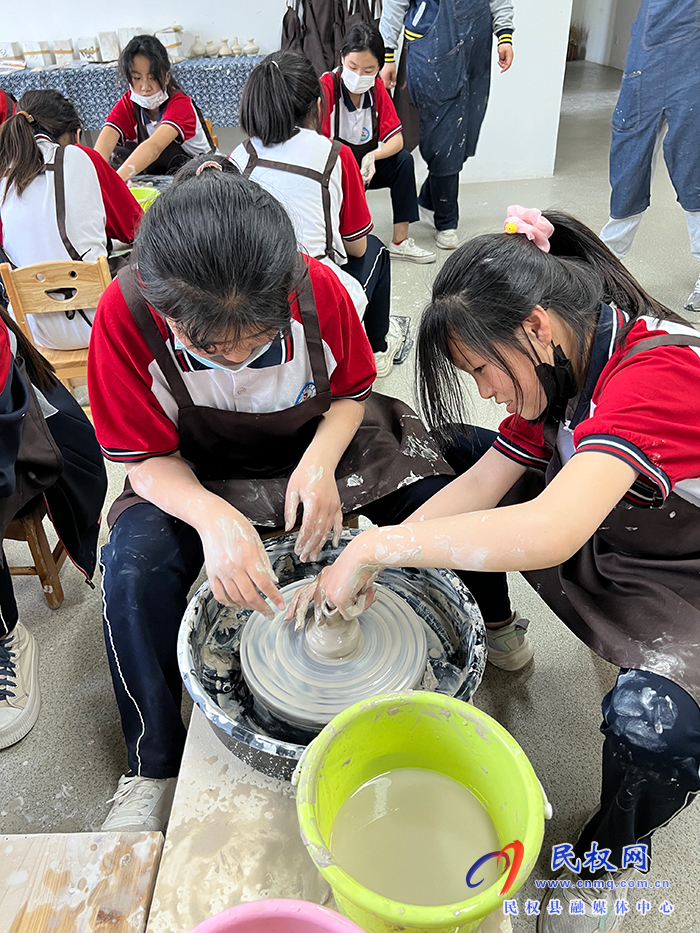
(47, 563)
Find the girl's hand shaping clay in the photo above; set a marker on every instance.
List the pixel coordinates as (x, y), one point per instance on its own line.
(316, 592)
(315, 488)
(236, 561)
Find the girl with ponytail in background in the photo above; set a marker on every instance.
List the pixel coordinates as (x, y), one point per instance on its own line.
(58, 201)
(320, 185)
(591, 490)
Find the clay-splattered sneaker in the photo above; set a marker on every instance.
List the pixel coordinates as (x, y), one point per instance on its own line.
(509, 647)
(140, 805)
(20, 700)
(693, 302)
(447, 239)
(585, 910)
(398, 344)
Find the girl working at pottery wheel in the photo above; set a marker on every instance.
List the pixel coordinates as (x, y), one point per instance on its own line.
(155, 127)
(591, 490)
(235, 387)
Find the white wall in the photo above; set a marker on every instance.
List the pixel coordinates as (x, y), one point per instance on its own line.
(520, 130)
(210, 19)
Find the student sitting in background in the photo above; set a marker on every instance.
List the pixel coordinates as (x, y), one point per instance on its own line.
(155, 127)
(47, 448)
(360, 113)
(320, 186)
(58, 201)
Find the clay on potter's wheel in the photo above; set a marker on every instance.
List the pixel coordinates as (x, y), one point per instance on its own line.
(291, 679)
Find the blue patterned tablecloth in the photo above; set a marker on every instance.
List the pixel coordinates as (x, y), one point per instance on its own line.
(215, 84)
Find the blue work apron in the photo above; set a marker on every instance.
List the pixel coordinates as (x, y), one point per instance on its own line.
(448, 72)
(662, 78)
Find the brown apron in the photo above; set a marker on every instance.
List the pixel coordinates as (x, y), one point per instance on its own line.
(247, 458)
(632, 592)
(359, 150)
(323, 178)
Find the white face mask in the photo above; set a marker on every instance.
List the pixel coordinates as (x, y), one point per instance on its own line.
(150, 102)
(355, 83)
(220, 362)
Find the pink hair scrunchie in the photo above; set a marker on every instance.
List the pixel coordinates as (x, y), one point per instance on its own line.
(529, 220)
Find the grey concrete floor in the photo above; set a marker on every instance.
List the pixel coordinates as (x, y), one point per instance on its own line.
(61, 775)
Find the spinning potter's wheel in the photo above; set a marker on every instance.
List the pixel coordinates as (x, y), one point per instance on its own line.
(305, 678)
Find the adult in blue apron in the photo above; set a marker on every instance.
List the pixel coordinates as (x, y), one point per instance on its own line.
(447, 63)
(660, 94)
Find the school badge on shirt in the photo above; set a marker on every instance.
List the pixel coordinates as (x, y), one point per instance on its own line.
(307, 392)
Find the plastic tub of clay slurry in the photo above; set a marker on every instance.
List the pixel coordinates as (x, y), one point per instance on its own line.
(209, 651)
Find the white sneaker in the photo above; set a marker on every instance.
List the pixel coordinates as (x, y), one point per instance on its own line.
(602, 907)
(446, 239)
(409, 251)
(140, 805)
(395, 339)
(509, 647)
(693, 302)
(20, 700)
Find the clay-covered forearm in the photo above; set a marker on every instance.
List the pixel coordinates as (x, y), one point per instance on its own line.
(171, 485)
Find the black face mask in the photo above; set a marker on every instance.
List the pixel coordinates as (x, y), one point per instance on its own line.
(559, 384)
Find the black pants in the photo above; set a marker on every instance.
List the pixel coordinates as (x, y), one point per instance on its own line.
(398, 173)
(648, 775)
(373, 272)
(149, 565)
(440, 193)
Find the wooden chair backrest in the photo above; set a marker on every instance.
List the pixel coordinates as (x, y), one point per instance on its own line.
(28, 287)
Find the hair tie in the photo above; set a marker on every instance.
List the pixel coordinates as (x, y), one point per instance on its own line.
(209, 164)
(23, 113)
(275, 64)
(529, 220)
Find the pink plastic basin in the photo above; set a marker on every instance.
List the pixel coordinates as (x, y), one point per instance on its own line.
(278, 915)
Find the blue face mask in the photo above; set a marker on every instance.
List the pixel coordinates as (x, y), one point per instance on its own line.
(220, 362)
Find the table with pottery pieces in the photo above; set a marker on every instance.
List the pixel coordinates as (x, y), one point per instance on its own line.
(216, 84)
(234, 837)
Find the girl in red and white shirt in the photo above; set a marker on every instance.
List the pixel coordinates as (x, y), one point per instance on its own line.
(155, 127)
(591, 490)
(321, 188)
(58, 201)
(360, 113)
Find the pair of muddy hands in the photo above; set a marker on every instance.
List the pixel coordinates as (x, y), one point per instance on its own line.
(312, 596)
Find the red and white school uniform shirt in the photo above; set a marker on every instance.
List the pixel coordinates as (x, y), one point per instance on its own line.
(643, 410)
(355, 123)
(302, 198)
(134, 412)
(178, 110)
(30, 233)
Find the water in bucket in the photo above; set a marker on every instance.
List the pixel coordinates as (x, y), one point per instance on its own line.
(411, 834)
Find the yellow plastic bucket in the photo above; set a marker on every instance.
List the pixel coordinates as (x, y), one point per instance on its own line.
(145, 196)
(419, 730)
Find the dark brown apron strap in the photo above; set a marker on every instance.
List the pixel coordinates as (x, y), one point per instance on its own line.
(326, 195)
(153, 337)
(252, 158)
(59, 188)
(336, 103)
(141, 134)
(312, 333)
(664, 340)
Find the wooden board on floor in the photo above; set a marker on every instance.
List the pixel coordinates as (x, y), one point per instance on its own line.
(77, 882)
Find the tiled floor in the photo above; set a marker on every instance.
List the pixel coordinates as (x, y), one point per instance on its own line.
(61, 775)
